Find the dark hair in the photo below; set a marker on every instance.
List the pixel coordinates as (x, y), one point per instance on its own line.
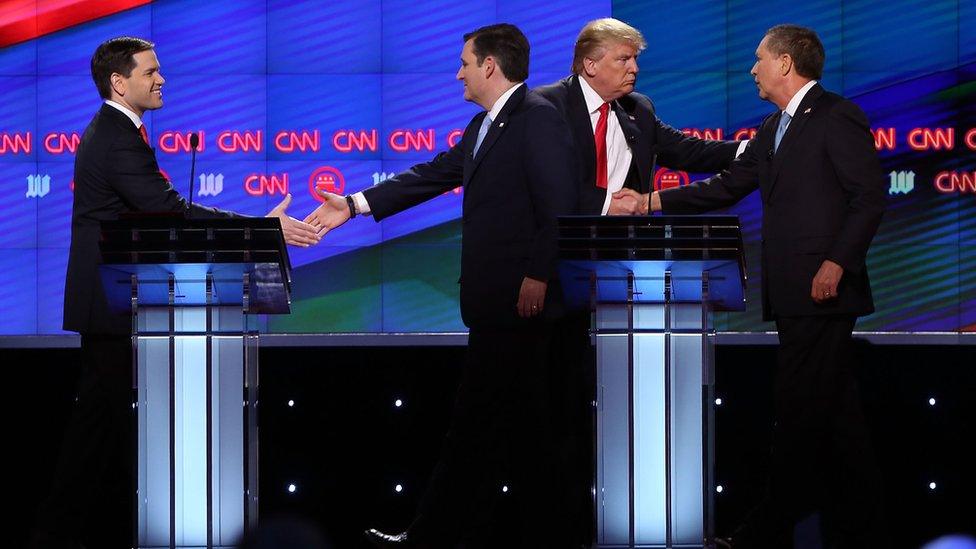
(802, 44)
(507, 44)
(115, 56)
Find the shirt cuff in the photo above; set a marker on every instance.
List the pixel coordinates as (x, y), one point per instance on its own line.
(742, 147)
(606, 203)
(362, 206)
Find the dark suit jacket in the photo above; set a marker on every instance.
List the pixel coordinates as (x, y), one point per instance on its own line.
(650, 141)
(823, 195)
(520, 181)
(115, 172)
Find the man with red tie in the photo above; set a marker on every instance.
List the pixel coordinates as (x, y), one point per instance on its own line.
(115, 173)
(618, 139)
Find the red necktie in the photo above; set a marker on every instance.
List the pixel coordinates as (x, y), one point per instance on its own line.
(145, 136)
(600, 137)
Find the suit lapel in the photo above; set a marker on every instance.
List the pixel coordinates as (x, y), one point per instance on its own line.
(641, 154)
(498, 126)
(581, 126)
(795, 129)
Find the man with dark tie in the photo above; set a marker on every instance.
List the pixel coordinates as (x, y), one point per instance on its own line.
(823, 195)
(619, 141)
(115, 173)
(516, 165)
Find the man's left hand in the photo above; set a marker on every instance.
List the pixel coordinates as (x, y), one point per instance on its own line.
(532, 296)
(825, 282)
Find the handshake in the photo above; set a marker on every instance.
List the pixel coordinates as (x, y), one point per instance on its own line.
(308, 232)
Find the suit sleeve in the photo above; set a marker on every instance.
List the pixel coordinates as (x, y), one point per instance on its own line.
(143, 188)
(850, 147)
(719, 191)
(678, 151)
(550, 167)
(417, 184)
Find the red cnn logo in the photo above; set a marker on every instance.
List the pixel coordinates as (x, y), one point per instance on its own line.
(258, 185)
(326, 179)
(667, 179)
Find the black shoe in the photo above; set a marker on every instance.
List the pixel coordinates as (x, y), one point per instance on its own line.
(380, 539)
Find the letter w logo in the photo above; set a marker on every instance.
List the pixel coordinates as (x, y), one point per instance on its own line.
(211, 184)
(38, 186)
(901, 182)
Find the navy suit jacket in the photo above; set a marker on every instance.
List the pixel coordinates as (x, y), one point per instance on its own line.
(651, 141)
(823, 195)
(115, 172)
(522, 178)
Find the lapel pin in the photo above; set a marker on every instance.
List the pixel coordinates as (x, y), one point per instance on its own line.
(501, 124)
(630, 116)
(808, 110)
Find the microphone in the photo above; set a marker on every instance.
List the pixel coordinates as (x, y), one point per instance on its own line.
(194, 143)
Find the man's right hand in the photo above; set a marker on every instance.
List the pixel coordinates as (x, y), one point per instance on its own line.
(332, 213)
(625, 202)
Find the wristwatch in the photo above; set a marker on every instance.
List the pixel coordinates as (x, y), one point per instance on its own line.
(352, 206)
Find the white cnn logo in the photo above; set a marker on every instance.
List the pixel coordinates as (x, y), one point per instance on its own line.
(38, 186)
(901, 182)
(211, 184)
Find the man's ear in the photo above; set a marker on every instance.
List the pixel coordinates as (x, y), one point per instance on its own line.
(119, 84)
(787, 64)
(589, 67)
(488, 66)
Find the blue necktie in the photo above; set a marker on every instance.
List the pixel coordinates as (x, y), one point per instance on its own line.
(784, 122)
(482, 132)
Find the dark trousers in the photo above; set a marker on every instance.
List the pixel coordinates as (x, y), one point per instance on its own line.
(92, 494)
(822, 458)
(500, 435)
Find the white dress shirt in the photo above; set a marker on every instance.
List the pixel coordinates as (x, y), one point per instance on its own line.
(362, 205)
(619, 155)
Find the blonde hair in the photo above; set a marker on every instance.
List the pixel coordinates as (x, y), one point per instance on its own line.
(599, 34)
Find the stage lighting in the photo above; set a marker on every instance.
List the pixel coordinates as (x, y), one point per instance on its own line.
(932, 401)
(398, 488)
(291, 403)
(719, 489)
(932, 486)
(292, 488)
(718, 401)
(504, 489)
(398, 403)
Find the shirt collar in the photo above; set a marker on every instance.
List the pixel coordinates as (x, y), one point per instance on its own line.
(798, 98)
(593, 99)
(500, 102)
(132, 116)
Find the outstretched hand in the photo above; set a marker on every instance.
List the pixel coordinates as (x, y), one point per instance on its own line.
(331, 214)
(296, 232)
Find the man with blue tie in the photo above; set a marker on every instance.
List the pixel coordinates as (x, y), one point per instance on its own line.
(515, 161)
(823, 195)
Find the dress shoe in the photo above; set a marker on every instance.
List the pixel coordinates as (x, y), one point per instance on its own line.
(380, 539)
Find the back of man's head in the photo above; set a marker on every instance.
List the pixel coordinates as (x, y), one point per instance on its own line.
(507, 45)
(115, 56)
(802, 44)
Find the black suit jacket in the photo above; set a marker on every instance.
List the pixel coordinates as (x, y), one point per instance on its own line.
(823, 195)
(650, 141)
(519, 182)
(115, 172)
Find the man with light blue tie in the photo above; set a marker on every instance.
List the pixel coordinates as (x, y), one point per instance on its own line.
(823, 193)
(516, 164)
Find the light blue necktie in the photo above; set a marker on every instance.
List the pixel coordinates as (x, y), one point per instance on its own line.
(482, 132)
(784, 122)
